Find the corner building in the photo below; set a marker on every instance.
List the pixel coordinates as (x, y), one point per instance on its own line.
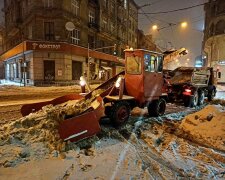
(214, 36)
(40, 48)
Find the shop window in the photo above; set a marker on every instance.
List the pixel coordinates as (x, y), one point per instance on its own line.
(49, 31)
(75, 7)
(28, 70)
(17, 69)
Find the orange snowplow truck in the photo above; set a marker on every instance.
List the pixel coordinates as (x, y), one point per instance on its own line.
(142, 85)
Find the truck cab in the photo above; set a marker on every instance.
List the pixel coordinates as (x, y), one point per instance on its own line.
(143, 75)
(142, 86)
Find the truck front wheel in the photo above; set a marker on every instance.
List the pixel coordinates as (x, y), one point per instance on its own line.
(120, 113)
(157, 108)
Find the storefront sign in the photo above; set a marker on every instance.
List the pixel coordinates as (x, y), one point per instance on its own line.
(45, 46)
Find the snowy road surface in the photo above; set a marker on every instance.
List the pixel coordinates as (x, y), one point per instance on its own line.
(144, 148)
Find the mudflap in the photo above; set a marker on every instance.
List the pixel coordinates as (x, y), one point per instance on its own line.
(29, 108)
(79, 127)
(84, 125)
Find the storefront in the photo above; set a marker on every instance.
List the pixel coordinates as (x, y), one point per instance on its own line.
(37, 63)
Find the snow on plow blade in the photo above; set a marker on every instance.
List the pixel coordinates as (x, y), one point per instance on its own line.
(29, 108)
(84, 125)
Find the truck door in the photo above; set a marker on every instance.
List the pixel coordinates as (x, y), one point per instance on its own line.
(153, 76)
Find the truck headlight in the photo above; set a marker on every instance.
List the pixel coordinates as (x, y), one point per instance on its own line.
(82, 81)
(118, 82)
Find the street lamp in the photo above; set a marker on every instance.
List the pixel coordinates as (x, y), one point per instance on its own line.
(154, 27)
(182, 24)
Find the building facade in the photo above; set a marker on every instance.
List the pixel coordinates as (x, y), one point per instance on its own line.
(58, 41)
(214, 36)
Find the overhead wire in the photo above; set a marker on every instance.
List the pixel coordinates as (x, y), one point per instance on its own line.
(175, 10)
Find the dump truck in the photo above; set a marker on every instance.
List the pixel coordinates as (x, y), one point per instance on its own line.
(191, 85)
(141, 85)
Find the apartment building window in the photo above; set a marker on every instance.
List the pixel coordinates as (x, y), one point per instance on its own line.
(91, 16)
(75, 7)
(49, 31)
(48, 3)
(75, 36)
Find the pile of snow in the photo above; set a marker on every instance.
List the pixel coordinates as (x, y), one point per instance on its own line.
(36, 135)
(206, 127)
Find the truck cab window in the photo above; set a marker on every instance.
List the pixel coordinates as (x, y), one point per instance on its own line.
(133, 65)
(150, 62)
(160, 63)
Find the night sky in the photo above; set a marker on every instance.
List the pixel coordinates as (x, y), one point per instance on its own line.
(173, 37)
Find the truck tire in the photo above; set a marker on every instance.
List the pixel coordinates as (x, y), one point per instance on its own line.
(120, 113)
(157, 108)
(108, 110)
(201, 97)
(191, 101)
(211, 94)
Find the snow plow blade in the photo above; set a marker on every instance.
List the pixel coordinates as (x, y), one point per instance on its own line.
(84, 125)
(29, 108)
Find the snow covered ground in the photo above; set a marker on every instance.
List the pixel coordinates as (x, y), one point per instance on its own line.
(175, 146)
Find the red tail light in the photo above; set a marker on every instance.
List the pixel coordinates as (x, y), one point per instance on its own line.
(187, 90)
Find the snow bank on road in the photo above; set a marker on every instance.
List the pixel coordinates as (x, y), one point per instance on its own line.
(206, 127)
